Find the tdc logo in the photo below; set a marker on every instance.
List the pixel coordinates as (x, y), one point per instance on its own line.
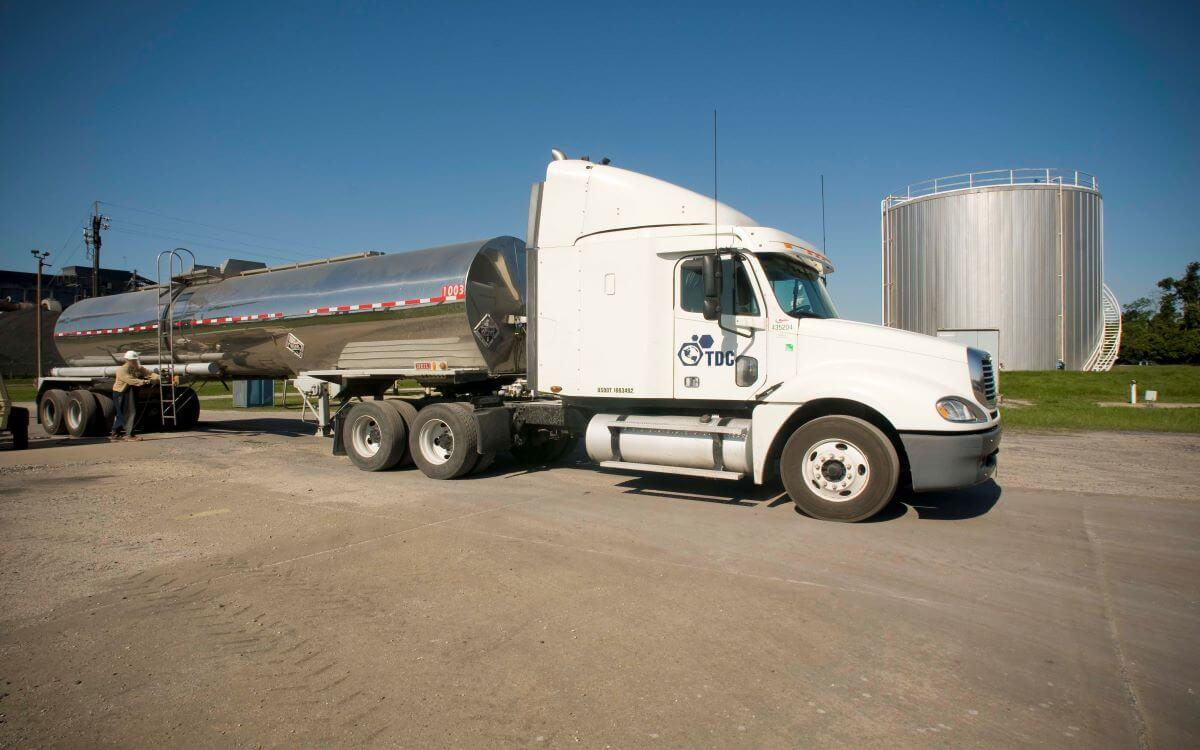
(699, 351)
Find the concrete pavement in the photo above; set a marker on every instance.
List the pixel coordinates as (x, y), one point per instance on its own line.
(253, 590)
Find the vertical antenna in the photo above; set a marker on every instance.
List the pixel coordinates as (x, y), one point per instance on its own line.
(824, 245)
(715, 202)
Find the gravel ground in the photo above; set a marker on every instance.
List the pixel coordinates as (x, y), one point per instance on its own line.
(240, 587)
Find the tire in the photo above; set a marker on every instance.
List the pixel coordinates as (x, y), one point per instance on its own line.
(566, 447)
(52, 411)
(444, 441)
(18, 425)
(374, 436)
(80, 417)
(187, 408)
(484, 463)
(107, 413)
(147, 412)
(408, 413)
(541, 449)
(839, 468)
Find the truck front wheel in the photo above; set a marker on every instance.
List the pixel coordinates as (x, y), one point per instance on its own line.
(839, 468)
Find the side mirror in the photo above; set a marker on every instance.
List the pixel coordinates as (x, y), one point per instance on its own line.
(711, 267)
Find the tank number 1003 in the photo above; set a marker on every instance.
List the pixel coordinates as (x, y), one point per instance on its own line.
(453, 290)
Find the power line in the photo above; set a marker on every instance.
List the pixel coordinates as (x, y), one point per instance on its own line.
(150, 227)
(210, 246)
(214, 226)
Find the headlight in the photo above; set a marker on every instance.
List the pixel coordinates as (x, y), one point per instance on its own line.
(959, 410)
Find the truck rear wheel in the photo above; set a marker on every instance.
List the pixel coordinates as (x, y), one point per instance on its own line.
(840, 468)
(52, 411)
(374, 436)
(408, 413)
(81, 413)
(541, 448)
(444, 441)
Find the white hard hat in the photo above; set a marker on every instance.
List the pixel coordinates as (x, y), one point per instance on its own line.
(131, 354)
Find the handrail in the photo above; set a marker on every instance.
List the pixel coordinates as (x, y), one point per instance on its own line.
(995, 177)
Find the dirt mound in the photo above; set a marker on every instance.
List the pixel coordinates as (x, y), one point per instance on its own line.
(18, 353)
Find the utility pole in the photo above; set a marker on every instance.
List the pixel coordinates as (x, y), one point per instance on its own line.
(91, 236)
(41, 261)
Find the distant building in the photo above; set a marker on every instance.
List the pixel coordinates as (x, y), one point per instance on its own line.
(74, 283)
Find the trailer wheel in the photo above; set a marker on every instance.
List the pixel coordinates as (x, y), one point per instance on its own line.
(81, 413)
(107, 413)
(187, 408)
(374, 436)
(18, 425)
(52, 411)
(839, 468)
(408, 413)
(444, 441)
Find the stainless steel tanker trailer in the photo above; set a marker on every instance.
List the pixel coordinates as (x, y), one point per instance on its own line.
(670, 332)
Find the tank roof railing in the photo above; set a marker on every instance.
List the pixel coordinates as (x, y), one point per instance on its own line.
(993, 178)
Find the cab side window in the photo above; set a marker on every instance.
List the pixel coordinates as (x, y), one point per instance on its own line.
(737, 293)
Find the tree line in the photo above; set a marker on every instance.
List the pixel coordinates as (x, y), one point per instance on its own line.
(1166, 331)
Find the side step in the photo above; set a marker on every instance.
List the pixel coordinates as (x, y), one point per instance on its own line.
(683, 470)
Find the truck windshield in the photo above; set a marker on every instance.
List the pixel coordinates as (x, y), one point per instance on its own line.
(799, 289)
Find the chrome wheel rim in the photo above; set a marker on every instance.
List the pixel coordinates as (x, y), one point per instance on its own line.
(836, 470)
(436, 441)
(49, 412)
(365, 436)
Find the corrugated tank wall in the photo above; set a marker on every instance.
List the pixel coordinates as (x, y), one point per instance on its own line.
(988, 258)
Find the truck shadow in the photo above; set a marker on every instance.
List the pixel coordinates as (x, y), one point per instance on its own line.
(933, 506)
(287, 426)
(957, 505)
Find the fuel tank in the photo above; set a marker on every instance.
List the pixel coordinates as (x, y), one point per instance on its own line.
(454, 304)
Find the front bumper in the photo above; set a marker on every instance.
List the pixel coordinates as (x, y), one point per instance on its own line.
(948, 461)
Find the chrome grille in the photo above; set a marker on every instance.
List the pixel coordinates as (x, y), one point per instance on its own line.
(989, 382)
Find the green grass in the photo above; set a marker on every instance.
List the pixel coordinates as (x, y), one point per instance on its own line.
(1067, 400)
(21, 389)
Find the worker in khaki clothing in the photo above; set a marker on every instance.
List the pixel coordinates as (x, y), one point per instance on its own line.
(131, 373)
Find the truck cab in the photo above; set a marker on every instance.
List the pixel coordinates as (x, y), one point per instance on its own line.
(656, 306)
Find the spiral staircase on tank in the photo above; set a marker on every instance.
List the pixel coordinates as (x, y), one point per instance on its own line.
(1105, 353)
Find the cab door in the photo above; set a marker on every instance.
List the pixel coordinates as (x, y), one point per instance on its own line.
(720, 359)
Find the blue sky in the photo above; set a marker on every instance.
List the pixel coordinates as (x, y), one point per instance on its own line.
(321, 128)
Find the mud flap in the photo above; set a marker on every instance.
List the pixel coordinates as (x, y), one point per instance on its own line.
(495, 429)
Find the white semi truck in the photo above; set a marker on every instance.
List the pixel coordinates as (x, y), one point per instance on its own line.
(668, 331)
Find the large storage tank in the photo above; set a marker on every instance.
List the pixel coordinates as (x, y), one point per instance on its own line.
(1011, 261)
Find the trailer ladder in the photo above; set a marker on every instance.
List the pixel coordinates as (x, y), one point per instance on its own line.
(167, 397)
